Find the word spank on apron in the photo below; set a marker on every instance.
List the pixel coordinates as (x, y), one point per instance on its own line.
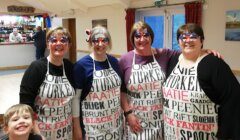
(102, 114)
(54, 107)
(188, 113)
(145, 98)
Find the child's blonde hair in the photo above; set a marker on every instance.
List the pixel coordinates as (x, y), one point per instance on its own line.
(19, 109)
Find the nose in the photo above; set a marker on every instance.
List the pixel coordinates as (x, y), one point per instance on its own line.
(100, 43)
(187, 39)
(141, 38)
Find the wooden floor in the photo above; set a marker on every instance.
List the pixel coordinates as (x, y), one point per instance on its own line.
(9, 90)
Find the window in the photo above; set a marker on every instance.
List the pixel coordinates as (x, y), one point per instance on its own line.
(164, 21)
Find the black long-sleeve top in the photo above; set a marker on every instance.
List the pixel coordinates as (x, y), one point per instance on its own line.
(34, 77)
(221, 86)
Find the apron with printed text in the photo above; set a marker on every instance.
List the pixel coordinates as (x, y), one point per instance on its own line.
(145, 98)
(101, 110)
(188, 113)
(54, 107)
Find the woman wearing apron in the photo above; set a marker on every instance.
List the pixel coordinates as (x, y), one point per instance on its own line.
(201, 94)
(144, 73)
(47, 86)
(98, 84)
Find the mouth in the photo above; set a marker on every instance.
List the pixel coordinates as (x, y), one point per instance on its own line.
(187, 45)
(21, 127)
(59, 48)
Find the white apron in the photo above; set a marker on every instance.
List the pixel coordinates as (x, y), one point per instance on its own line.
(188, 113)
(145, 96)
(102, 114)
(54, 107)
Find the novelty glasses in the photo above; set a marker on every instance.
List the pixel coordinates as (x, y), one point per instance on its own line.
(138, 35)
(96, 41)
(62, 40)
(188, 37)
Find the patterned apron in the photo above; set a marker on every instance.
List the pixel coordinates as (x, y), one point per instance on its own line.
(145, 96)
(102, 114)
(54, 107)
(188, 113)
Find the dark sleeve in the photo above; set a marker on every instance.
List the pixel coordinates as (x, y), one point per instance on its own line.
(69, 71)
(172, 62)
(35, 35)
(34, 137)
(221, 86)
(31, 81)
(79, 75)
(116, 67)
(122, 68)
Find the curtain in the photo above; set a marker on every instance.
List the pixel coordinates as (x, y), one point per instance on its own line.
(130, 19)
(193, 12)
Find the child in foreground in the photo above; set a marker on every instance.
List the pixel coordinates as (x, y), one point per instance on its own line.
(18, 123)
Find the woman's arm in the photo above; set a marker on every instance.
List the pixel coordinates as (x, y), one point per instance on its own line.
(77, 131)
(221, 86)
(31, 81)
(132, 119)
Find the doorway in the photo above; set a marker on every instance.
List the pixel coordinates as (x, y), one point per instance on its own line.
(70, 24)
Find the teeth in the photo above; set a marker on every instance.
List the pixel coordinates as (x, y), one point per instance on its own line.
(21, 128)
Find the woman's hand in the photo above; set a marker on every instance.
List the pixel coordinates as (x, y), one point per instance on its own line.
(77, 131)
(77, 134)
(134, 123)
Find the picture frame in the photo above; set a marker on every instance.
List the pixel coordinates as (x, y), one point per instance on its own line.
(101, 22)
(232, 30)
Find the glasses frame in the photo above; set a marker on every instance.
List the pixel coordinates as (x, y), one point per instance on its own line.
(191, 37)
(104, 40)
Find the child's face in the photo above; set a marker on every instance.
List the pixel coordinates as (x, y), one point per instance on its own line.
(20, 124)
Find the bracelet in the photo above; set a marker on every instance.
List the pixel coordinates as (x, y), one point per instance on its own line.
(128, 112)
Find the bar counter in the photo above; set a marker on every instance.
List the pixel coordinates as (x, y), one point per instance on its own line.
(16, 54)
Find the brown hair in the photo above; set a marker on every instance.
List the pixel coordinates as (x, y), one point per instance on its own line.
(140, 25)
(19, 109)
(191, 28)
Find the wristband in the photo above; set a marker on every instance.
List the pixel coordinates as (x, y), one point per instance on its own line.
(128, 112)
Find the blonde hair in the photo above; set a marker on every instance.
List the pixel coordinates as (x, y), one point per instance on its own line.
(100, 30)
(61, 30)
(19, 109)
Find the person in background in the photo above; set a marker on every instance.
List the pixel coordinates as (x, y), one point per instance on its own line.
(15, 36)
(201, 94)
(18, 123)
(98, 82)
(48, 87)
(39, 42)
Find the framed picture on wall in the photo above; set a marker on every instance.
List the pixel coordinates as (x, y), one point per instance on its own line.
(102, 22)
(232, 31)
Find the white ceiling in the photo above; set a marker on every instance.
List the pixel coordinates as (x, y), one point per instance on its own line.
(66, 6)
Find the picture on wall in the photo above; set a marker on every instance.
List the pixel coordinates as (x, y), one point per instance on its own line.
(232, 31)
(101, 22)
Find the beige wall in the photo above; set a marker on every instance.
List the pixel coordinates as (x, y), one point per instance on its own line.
(214, 19)
(213, 25)
(115, 16)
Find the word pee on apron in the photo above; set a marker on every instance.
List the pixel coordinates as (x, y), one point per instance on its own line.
(188, 113)
(102, 114)
(145, 98)
(54, 107)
